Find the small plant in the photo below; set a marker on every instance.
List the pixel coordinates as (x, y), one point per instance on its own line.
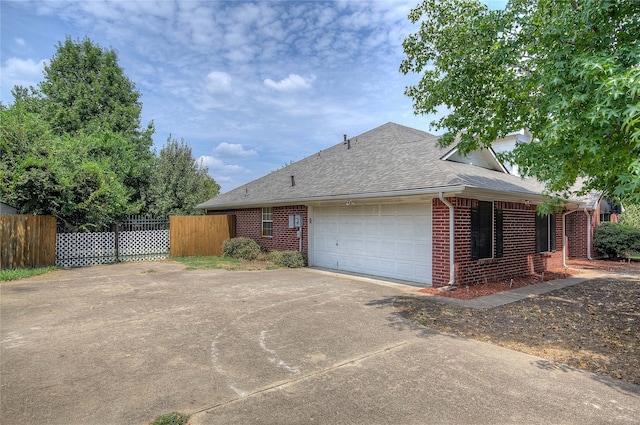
(617, 240)
(173, 418)
(244, 248)
(291, 259)
(13, 274)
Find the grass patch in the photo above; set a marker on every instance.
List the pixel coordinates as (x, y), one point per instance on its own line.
(173, 418)
(195, 263)
(13, 274)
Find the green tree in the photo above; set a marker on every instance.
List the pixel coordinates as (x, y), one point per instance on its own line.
(178, 182)
(631, 215)
(85, 91)
(75, 148)
(567, 70)
(84, 88)
(43, 173)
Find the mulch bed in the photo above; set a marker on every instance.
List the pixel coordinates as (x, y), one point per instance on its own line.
(575, 267)
(594, 325)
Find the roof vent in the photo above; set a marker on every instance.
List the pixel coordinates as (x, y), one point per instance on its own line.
(347, 142)
(293, 181)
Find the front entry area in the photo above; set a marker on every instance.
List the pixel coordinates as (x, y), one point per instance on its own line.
(389, 240)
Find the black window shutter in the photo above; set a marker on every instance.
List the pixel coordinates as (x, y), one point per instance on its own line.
(475, 232)
(552, 232)
(499, 244)
(539, 236)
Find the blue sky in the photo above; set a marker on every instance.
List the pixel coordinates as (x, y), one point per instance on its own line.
(251, 86)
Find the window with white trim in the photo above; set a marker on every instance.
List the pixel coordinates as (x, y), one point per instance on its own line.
(267, 221)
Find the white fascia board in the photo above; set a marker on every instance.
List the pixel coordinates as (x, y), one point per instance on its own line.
(497, 161)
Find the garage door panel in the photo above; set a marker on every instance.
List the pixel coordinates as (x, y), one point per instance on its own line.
(404, 250)
(373, 248)
(422, 249)
(392, 240)
(387, 230)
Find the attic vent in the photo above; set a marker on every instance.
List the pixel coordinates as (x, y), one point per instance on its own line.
(293, 181)
(347, 142)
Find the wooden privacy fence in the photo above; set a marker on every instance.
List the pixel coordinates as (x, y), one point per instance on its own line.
(27, 241)
(200, 235)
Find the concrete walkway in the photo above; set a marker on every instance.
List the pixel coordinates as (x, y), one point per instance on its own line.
(529, 291)
(124, 343)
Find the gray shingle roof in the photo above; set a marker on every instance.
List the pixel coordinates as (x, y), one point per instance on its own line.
(386, 161)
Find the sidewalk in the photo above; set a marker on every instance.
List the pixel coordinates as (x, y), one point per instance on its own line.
(530, 291)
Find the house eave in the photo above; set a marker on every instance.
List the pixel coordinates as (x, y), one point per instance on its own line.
(425, 193)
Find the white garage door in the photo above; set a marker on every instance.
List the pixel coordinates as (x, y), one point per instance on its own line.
(383, 240)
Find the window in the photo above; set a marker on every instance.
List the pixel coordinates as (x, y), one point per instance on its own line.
(484, 222)
(267, 221)
(545, 233)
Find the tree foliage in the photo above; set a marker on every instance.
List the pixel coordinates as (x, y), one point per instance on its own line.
(84, 89)
(44, 173)
(631, 215)
(567, 70)
(74, 148)
(178, 182)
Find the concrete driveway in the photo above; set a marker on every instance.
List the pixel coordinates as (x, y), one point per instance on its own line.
(120, 344)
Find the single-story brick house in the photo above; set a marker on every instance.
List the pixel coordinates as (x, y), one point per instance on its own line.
(392, 203)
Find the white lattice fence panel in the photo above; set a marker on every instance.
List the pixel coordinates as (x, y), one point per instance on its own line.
(143, 245)
(85, 249)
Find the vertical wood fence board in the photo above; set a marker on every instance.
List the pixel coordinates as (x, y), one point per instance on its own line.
(199, 235)
(27, 241)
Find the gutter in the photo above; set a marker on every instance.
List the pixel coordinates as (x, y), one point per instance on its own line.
(253, 203)
(451, 239)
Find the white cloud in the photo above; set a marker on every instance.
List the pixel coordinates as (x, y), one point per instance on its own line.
(218, 81)
(216, 165)
(234, 150)
(291, 83)
(20, 42)
(21, 72)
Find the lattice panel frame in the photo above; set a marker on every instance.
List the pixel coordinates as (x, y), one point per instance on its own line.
(85, 249)
(143, 245)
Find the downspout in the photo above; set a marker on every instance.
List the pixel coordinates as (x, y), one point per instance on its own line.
(451, 239)
(564, 238)
(588, 234)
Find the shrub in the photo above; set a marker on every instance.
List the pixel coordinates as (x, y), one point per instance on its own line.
(616, 240)
(291, 259)
(244, 248)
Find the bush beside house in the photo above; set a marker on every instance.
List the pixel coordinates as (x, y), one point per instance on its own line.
(617, 240)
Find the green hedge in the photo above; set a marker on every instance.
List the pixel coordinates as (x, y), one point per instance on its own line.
(616, 240)
(244, 248)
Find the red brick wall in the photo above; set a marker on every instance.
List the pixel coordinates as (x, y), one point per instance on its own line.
(519, 257)
(249, 225)
(440, 243)
(576, 223)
